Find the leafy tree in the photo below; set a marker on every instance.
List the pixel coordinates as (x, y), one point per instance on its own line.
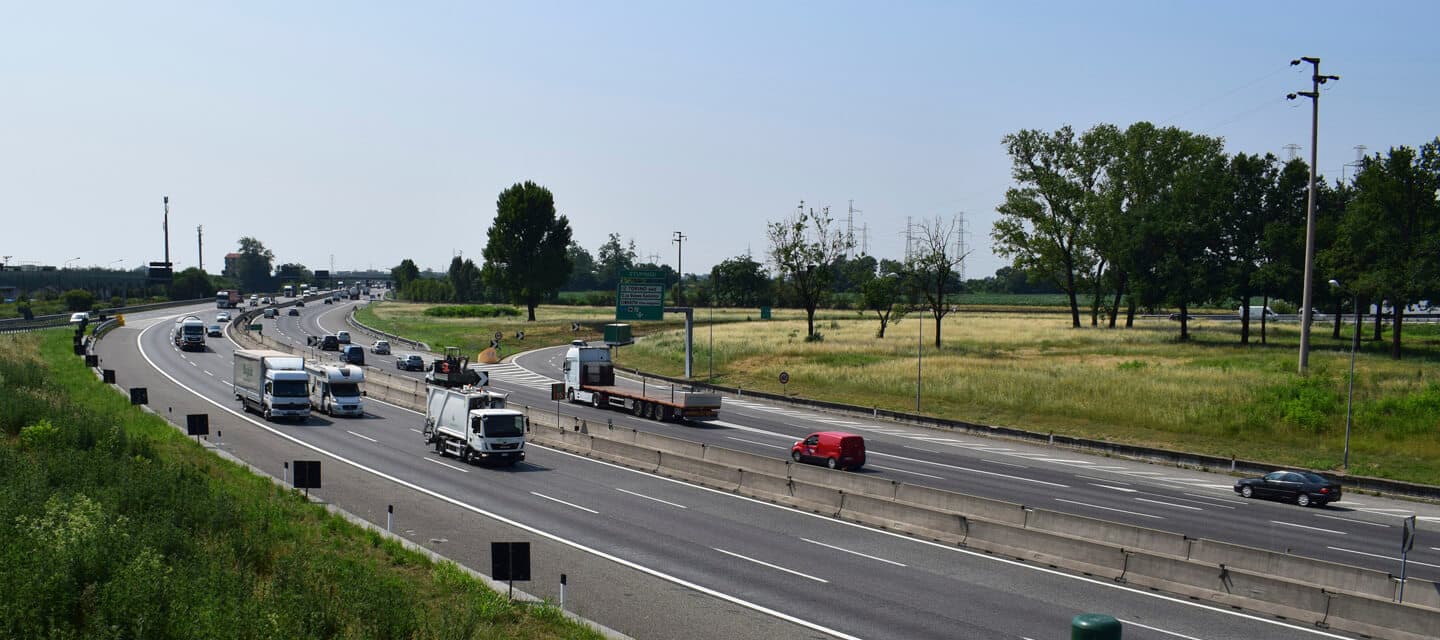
(525, 256)
(428, 290)
(78, 300)
(741, 282)
(611, 259)
(1252, 183)
(802, 247)
(404, 273)
(292, 273)
(852, 273)
(582, 275)
(880, 295)
(192, 283)
(253, 266)
(933, 267)
(466, 282)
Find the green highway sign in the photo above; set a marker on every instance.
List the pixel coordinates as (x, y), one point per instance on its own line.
(640, 295)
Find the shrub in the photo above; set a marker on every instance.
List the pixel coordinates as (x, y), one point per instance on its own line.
(41, 436)
(471, 311)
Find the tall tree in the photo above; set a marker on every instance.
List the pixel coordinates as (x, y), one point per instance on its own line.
(525, 256)
(404, 273)
(1252, 185)
(802, 247)
(933, 267)
(191, 283)
(880, 295)
(466, 283)
(253, 266)
(611, 259)
(293, 272)
(582, 274)
(741, 282)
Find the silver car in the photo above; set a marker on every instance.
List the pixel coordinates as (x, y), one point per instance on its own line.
(381, 348)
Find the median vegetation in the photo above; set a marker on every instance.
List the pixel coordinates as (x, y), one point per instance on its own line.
(116, 526)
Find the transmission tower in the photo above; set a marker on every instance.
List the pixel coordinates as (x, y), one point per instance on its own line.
(850, 229)
(960, 247)
(1359, 160)
(1292, 150)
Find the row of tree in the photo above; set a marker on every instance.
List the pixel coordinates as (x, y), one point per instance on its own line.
(1149, 216)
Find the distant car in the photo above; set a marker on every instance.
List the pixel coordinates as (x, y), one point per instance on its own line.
(214, 331)
(1302, 487)
(329, 343)
(223, 316)
(834, 449)
(271, 312)
(299, 303)
(352, 354)
(266, 300)
(380, 348)
(410, 362)
(79, 316)
(343, 337)
(329, 299)
(1177, 316)
(292, 312)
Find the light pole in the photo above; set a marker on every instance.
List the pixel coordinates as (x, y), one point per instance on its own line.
(1314, 95)
(1350, 394)
(67, 262)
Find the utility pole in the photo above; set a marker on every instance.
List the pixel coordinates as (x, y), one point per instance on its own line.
(166, 227)
(850, 229)
(200, 245)
(960, 249)
(1305, 312)
(679, 241)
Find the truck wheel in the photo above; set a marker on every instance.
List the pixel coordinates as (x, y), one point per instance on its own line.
(598, 399)
(570, 395)
(266, 415)
(832, 463)
(637, 408)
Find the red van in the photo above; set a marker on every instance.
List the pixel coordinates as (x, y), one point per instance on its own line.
(834, 449)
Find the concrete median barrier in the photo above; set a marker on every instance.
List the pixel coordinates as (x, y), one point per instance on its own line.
(641, 457)
(849, 482)
(764, 486)
(1228, 585)
(674, 446)
(1384, 619)
(1085, 556)
(972, 506)
(1123, 535)
(748, 461)
(1338, 577)
(904, 518)
(815, 498)
(699, 471)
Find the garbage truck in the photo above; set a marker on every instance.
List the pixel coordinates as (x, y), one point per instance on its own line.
(272, 383)
(473, 425)
(590, 378)
(336, 390)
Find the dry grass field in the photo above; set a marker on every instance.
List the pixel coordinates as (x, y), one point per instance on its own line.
(1139, 385)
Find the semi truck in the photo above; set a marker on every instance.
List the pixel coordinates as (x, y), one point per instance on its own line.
(473, 425)
(590, 378)
(272, 383)
(227, 298)
(336, 390)
(189, 333)
(288, 291)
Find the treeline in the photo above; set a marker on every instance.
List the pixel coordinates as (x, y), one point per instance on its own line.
(1148, 216)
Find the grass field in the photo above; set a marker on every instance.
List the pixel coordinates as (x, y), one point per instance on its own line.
(1140, 385)
(113, 525)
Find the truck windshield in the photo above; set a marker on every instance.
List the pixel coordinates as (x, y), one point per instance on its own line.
(194, 330)
(503, 426)
(344, 389)
(290, 389)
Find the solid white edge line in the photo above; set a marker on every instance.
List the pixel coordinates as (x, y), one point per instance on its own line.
(360, 436)
(1384, 557)
(915, 473)
(1167, 504)
(447, 466)
(1373, 524)
(1301, 526)
(856, 553)
(700, 588)
(772, 566)
(1106, 486)
(760, 444)
(1081, 475)
(979, 471)
(641, 495)
(568, 504)
(1096, 506)
(1156, 629)
(1008, 464)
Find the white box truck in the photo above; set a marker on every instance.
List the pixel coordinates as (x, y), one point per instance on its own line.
(590, 377)
(474, 426)
(189, 334)
(272, 383)
(336, 390)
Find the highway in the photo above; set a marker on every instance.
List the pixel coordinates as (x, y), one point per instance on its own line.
(661, 558)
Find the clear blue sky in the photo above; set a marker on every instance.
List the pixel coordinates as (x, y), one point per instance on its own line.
(378, 131)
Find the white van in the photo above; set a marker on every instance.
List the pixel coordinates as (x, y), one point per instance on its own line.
(1257, 311)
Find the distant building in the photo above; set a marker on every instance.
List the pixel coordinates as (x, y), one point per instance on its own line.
(230, 261)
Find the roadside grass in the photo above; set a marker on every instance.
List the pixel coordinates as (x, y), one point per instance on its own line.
(1031, 370)
(116, 526)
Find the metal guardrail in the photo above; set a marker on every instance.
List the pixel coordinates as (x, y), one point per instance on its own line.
(50, 321)
(350, 319)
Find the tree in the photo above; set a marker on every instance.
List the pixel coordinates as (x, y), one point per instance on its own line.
(611, 259)
(253, 266)
(1252, 186)
(191, 283)
(404, 273)
(1045, 221)
(880, 295)
(78, 300)
(741, 282)
(802, 248)
(525, 256)
(852, 273)
(466, 283)
(291, 273)
(933, 267)
(582, 274)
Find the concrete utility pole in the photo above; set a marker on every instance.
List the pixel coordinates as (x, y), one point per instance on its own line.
(166, 227)
(679, 241)
(1305, 312)
(200, 245)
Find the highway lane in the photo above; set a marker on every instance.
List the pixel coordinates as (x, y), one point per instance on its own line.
(768, 556)
(1359, 531)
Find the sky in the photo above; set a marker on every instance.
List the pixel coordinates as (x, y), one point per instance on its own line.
(354, 135)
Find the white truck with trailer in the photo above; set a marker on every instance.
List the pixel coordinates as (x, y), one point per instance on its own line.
(336, 390)
(272, 383)
(590, 378)
(189, 333)
(473, 425)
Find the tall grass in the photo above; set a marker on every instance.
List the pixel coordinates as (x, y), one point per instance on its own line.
(115, 526)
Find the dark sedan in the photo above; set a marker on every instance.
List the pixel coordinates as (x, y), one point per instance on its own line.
(1304, 488)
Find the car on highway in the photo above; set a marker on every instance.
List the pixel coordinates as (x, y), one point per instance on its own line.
(214, 331)
(329, 343)
(352, 354)
(834, 449)
(79, 316)
(329, 299)
(380, 348)
(343, 337)
(271, 312)
(223, 316)
(292, 312)
(299, 303)
(1301, 487)
(410, 362)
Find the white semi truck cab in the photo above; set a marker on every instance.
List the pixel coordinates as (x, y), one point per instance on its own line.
(474, 425)
(272, 383)
(337, 390)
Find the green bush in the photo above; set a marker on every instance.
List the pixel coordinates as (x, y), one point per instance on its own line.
(471, 311)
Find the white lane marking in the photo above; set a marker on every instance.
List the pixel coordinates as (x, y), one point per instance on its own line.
(641, 495)
(1373, 524)
(925, 450)
(760, 444)
(209, 374)
(360, 436)
(1156, 629)
(1435, 548)
(1008, 464)
(1301, 526)
(960, 468)
(1081, 475)
(1208, 504)
(568, 504)
(1169, 504)
(857, 553)
(1377, 555)
(916, 473)
(447, 466)
(1096, 506)
(772, 566)
(1199, 495)
(412, 428)
(193, 363)
(1106, 486)
(1059, 460)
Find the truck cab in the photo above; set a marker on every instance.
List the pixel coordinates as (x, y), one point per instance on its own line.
(474, 426)
(189, 334)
